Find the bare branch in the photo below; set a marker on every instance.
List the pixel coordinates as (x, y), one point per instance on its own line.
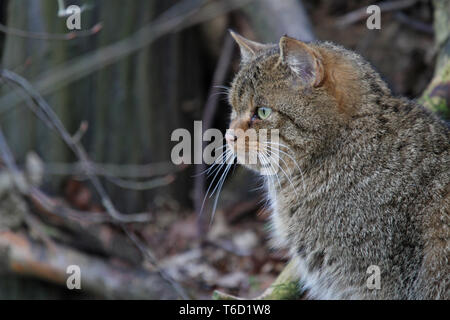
(74, 146)
(48, 36)
(125, 171)
(45, 204)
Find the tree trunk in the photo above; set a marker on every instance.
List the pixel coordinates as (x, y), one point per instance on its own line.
(437, 96)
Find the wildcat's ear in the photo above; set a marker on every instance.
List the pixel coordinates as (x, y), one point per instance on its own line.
(303, 60)
(249, 49)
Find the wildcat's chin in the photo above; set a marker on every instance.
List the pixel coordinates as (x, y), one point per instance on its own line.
(248, 159)
(259, 162)
(254, 167)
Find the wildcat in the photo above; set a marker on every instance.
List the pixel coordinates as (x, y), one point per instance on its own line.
(366, 176)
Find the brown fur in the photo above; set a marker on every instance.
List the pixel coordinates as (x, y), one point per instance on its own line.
(375, 171)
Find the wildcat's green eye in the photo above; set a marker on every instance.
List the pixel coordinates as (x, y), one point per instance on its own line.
(264, 112)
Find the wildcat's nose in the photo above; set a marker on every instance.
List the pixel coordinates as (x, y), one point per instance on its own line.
(230, 137)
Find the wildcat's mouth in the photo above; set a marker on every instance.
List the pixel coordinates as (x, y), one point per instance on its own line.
(268, 158)
(254, 155)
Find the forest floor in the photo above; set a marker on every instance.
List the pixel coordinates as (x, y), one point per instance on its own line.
(235, 257)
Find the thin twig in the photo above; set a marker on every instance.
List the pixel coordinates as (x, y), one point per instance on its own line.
(39, 199)
(151, 257)
(414, 24)
(45, 203)
(100, 276)
(74, 146)
(142, 185)
(124, 171)
(49, 36)
(120, 175)
(29, 104)
(84, 126)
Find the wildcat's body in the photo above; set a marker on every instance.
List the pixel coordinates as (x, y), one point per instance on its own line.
(371, 172)
(378, 200)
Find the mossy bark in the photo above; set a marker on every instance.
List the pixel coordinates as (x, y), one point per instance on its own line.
(437, 96)
(287, 286)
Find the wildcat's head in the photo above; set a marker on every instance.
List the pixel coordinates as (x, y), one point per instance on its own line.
(308, 92)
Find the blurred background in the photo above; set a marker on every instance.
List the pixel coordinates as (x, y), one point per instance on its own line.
(86, 118)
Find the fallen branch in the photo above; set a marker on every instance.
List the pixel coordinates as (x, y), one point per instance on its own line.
(49, 206)
(75, 146)
(88, 230)
(22, 256)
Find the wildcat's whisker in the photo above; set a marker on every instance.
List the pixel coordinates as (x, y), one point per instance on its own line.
(225, 94)
(264, 157)
(269, 145)
(225, 155)
(228, 157)
(208, 170)
(221, 147)
(212, 182)
(268, 177)
(296, 164)
(280, 167)
(270, 159)
(217, 187)
(225, 91)
(278, 144)
(204, 171)
(221, 182)
(228, 89)
(276, 153)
